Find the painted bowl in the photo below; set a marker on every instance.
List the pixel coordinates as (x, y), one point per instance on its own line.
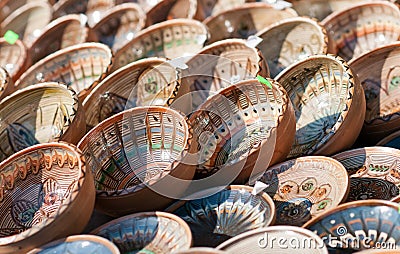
(81, 67)
(201, 250)
(43, 189)
(78, 244)
(151, 232)
(41, 113)
(207, 8)
(329, 104)
(374, 172)
(237, 127)
(14, 58)
(243, 21)
(146, 5)
(134, 155)
(258, 241)
(5, 82)
(304, 187)
(361, 28)
(119, 25)
(225, 214)
(66, 7)
(171, 39)
(171, 9)
(358, 225)
(291, 40)
(393, 140)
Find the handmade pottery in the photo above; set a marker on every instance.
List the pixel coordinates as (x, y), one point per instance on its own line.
(14, 58)
(135, 153)
(291, 40)
(329, 104)
(225, 214)
(304, 187)
(201, 250)
(46, 192)
(171, 9)
(5, 81)
(393, 140)
(9, 6)
(146, 5)
(41, 113)
(207, 8)
(151, 232)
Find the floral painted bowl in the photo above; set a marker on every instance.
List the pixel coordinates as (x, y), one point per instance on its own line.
(225, 214)
(393, 140)
(201, 250)
(207, 8)
(151, 232)
(171, 9)
(42, 190)
(329, 104)
(14, 58)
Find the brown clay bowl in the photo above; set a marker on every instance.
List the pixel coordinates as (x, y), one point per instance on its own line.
(207, 8)
(362, 27)
(171, 9)
(391, 141)
(201, 250)
(81, 67)
(65, 7)
(243, 21)
(150, 232)
(124, 183)
(46, 192)
(14, 58)
(171, 39)
(291, 40)
(329, 104)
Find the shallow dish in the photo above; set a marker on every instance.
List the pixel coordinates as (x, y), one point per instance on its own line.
(171, 9)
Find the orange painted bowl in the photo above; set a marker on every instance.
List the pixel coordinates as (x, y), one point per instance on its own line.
(243, 21)
(41, 113)
(5, 82)
(207, 8)
(46, 192)
(291, 40)
(170, 39)
(393, 140)
(171, 9)
(150, 232)
(135, 156)
(14, 58)
(81, 67)
(329, 104)
(362, 27)
(201, 250)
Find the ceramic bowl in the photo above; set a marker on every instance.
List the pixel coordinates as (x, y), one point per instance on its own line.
(78, 244)
(225, 214)
(201, 250)
(329, 104)
(304, 187)
(5, 82)
(81, 67)
(160, 136)
(146, 5)
(65, 7)
(42, 190)
(238, 126)
(393, 140)
(207, 8)
(14, 58)
(291, 40)
(171, 9)
(243, 21)
(374, 172)
(170, 39)
(358, 225)
(258, 241)
(41, 113)
(151, 232)
(361, 28)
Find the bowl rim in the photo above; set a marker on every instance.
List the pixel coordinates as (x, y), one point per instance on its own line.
(388, 138)
(156, 8)
(22, 59)
(366, 150)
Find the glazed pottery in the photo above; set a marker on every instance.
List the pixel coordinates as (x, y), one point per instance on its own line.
(304, 187)
(170, 39)
(362, 27)
(78, 244)
(207, 8)
(81, 67)
(201, 250)
(14, 58)
(151, 232)
(46, 192)
(9, 6)
(259, 241)
(374, 172)
(291, 40)
(329, 104)
(358, 225)
(225, 214)
(391, 141)
(135, 153)
(171, 9)
(41, 113)
(243, 21)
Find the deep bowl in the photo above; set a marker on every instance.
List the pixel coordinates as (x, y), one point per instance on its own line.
(14, 58)
(171, 9)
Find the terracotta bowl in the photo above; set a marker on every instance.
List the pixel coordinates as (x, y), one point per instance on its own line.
(225, 214)
(329, 104)
(41, 113)
(256, 242)
(78, 244)
(201, 250)
(151, 232)
(81, 67)
(43, 189)
(171, 9)
(124, 184)
(14, 58)
(170, 39)
(374, 172)
(238, 126)
(291, 40)
(206, 8)
(119, 25)
(305, 187)
(354, 225)
(243, 21)
(5, 81)
(363, 27)
(393, 140)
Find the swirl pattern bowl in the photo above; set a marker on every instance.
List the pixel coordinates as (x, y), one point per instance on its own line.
(14, 58)
(171, 9)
